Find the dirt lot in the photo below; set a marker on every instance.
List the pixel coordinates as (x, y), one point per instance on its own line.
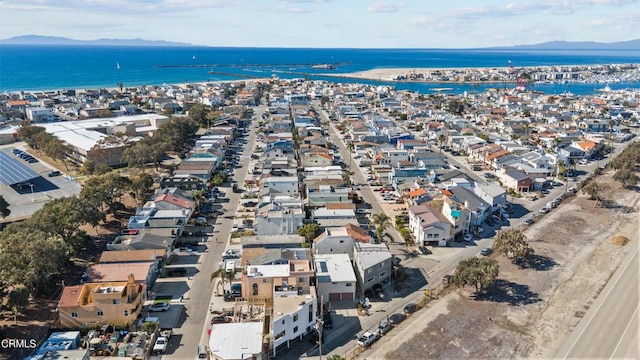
(529, 311)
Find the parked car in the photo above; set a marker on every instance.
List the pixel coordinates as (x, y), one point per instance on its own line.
(486, 251)
(544, 210)
(362, 211)
(54, 173)
(159, 306)
(368, 338)
(396, 319)
(410, 308)
(384, 327)
(232, 296)
(468, 237)
(221, 320)
(161, 345)
(424, 250)
(231, 254)
(528, 221)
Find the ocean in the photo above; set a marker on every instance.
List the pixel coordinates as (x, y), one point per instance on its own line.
(31, 67)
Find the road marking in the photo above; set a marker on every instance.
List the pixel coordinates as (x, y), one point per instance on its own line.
(625, 332)
(602, 302)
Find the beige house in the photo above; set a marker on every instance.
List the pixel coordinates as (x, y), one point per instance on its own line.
(95, 304)
(267, 281)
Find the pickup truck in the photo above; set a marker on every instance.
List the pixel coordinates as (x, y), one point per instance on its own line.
(161, 345)
(368, 338)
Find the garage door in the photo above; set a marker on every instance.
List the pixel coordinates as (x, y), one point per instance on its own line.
(334, 296)
(347, 296)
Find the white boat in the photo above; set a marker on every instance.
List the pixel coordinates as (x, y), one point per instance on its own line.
(607, 88)
(118, 65)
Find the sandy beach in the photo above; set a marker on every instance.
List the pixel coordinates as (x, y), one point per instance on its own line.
(392, 74)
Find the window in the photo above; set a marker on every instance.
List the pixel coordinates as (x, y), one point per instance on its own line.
(383, 274)
(126, 313)
(265, 280)
(255, 289)
(302, 280)
(310, 313)
(283, 321)
(429, 236)
(74, 314)
(295, 318)
(349, 285)
(100, 313)
(116, 301)
(369, 279)
(295, 329)
(435, 236)
(281, 334)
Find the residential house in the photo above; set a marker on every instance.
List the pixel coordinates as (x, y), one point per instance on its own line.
(478, 207)
(90, 305)
(333, 217)
(515, 179)
(281, 214)
(134, 256)
(335, 278)
(236, 341)
(493, 194)
(317, 159)
(340, 240)
(373, 265)
(458, 215)
(281, 185)
(266, 281)
(429, 226)
(143, 272)
(294, 316)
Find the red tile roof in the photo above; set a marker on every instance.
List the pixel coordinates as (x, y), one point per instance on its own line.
(70, 295)
(171, 199)
(357, 233)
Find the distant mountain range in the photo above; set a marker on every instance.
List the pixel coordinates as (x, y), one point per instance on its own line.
(55, 40)
(551, 45)
(579, 45)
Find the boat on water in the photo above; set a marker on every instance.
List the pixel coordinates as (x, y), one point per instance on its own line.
(606, 88)
(118, 65)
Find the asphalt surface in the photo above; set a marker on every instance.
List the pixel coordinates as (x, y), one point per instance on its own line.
(184, 342)
(609, 329)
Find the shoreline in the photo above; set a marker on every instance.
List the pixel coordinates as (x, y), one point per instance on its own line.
(461, 75)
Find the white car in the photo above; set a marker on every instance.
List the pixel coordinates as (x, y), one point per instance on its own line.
(362, 211)
(159, 306)
(161, 345)
(468, 237)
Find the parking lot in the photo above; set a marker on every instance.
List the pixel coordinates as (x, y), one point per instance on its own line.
(25, 199)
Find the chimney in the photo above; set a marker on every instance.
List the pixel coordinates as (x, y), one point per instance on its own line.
(131, 279)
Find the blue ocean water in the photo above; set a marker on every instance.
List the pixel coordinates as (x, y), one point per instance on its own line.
(28, 67)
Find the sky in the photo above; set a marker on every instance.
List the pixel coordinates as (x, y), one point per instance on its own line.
(327, 23)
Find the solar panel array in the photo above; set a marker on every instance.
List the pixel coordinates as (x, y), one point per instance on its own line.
(13, 171)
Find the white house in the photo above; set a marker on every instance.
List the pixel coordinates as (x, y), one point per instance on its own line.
(40, 114)
(235, 341)
(429, 226)
(391, 157)
(493, 194)
(340, 240)
(293, 317)
(335, 278)
(281, 185)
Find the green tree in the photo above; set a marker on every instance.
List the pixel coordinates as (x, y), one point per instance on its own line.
(29, 256)
(28, 133)
(381, 222)
(513, 244)
(176, 133)
(4, 207)
(18, 298)
(626, 176)
(309, 231)
(595, 189)
(406, 235)
(105, 191)
(224, 276)
(62, 218)
(199, 112)
(141, 185)
(480, 273)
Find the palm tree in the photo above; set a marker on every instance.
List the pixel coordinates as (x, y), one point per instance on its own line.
(198, 196)
(382, 222)
(224, 275)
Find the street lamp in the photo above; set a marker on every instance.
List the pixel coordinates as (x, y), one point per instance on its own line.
(33, 199)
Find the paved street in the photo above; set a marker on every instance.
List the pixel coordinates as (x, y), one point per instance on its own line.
(184, 343)
(609, 329)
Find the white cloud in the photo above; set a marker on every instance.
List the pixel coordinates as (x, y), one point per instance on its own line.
(385, 7)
